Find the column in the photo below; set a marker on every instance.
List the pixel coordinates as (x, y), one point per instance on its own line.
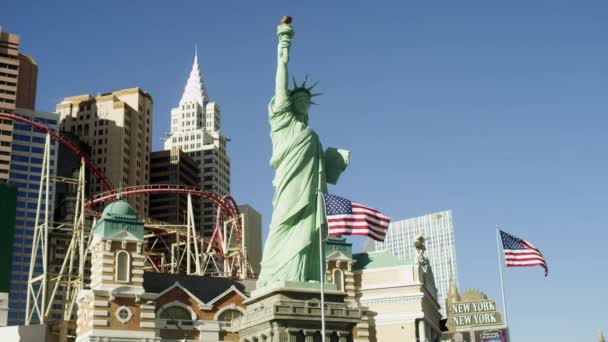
(342, 336)
(422, 331)
(292, 335)
(309, 335)
(328, 334)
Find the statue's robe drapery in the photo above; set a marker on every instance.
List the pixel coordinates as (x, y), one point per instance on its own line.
(291, 252)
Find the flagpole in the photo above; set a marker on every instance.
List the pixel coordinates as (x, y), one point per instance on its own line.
(322, 274)
(502, 284)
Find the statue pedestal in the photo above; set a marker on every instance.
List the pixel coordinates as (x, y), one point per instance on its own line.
(291, 312)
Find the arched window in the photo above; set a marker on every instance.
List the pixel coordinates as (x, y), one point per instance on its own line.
(176, 313)
(229, 315)
(339, 280)
(123, 266)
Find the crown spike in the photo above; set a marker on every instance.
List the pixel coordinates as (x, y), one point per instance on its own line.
(313, 95)
(295, 85)
(314, 85)
(304, 83)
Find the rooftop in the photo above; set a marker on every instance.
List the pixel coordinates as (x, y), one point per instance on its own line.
(371, 260)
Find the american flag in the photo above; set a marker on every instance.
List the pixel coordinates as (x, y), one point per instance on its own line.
(349, 218)
(521, 253)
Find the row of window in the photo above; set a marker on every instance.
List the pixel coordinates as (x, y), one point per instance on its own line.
(9, 66)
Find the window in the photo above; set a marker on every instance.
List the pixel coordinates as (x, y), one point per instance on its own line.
(176, 312)
(229, 315)
(339, 280)
(122, 266)
(123, 314)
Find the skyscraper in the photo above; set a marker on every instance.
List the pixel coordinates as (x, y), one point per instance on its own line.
(27, 152)
(195, 129)
(172, 167)
(18, 77)
(118, 128)
(438, 231)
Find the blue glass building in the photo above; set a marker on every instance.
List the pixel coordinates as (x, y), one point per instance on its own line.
(27, 152)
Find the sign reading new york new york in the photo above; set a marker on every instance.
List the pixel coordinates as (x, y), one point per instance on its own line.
(475, 313)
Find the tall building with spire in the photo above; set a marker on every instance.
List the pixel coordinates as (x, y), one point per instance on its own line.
(195, 129)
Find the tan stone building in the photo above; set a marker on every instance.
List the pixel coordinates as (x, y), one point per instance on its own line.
(118, 128)
(253, 236)
(472, 317)
(126, 304)
(398, 298)
(18, 78)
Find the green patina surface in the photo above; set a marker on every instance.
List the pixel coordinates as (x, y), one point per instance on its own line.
(293, 285)
(337, 244)
(377, 260)
(302, 171)
(8, 207)
(119, 217)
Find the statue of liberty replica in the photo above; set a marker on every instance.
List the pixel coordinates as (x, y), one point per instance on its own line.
(285, 306)
(302, 171)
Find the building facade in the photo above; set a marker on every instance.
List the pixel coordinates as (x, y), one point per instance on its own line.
(473, 317)
(124, 303)
(18, 78)
(195, 129)
(127, 303)
(398, 298)
(8, 208)
(27, 153)
(118, 128)
(253, 236)
(172, 167)
(438, 230)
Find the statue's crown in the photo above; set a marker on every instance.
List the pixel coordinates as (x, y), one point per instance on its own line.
(304, 89)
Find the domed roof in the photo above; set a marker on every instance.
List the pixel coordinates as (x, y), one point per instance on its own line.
(118, 208)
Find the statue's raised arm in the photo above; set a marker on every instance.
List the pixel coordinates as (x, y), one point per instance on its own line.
(285, 33)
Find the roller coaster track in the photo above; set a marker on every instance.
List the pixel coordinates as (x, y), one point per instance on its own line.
(101, 177)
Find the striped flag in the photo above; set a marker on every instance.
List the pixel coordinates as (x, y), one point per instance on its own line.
(521, 253)
(349, 218)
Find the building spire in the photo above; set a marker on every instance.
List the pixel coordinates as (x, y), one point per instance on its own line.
(195, 88)
(601, 338)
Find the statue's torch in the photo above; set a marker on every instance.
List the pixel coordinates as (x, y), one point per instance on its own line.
(285, 32)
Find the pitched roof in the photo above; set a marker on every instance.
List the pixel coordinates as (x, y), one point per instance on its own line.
(195, 87)
(202, 287)
(365, 261)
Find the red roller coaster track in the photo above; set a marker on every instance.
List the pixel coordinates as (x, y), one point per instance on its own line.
(227, 204)
(65, 142)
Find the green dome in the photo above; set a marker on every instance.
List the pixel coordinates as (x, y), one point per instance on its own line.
(117, 219)
(118, 208)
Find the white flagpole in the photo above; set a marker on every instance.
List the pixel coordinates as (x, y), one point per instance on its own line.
(502, 284)
(322, 273)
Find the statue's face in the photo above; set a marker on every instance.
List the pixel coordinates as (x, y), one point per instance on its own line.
(301, 102)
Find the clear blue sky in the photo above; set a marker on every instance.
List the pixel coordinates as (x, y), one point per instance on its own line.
(497, 110)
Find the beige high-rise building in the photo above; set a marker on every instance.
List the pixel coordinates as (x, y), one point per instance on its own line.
(18, 77)
(9, 71)
(253, 236)
(118, 128)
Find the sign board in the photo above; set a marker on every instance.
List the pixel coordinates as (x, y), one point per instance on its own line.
(490, 335)
(474, 313)
(494, 335)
